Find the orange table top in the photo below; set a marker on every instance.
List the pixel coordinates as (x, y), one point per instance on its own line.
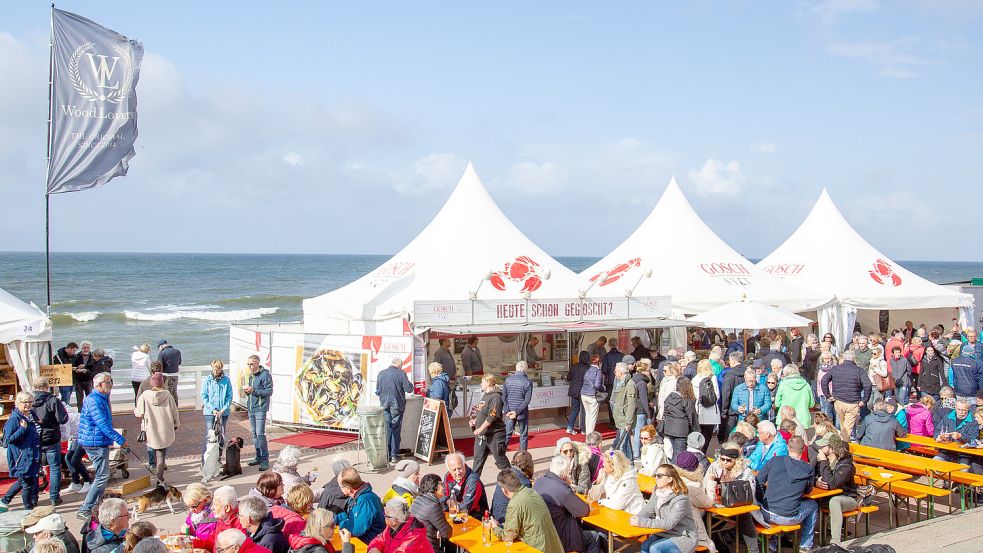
(819, 493)
(894, 459)
(615, 521)
(646, 483)
(879, 475)
(732, 511)
(467, 536)
(948, 446)
(360, 546)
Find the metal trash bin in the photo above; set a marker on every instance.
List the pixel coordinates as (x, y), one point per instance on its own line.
(372, 432)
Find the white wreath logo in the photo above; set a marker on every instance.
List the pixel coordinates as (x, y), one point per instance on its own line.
(84, 91)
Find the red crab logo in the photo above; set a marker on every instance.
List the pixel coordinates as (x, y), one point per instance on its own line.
(522, 270)
(617, 272)
(883, 272)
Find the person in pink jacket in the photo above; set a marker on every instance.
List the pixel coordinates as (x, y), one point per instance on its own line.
(920, 417)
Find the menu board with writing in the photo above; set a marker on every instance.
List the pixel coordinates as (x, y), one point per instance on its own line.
(434, 434)
(58, 375)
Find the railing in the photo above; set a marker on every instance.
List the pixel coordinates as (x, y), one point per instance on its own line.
(123, 396)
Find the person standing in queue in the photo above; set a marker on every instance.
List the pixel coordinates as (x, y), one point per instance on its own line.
(489, 428)
(258, 390)
(392, 387)
(517, 394)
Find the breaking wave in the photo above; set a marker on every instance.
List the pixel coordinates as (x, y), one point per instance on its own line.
(207, 314)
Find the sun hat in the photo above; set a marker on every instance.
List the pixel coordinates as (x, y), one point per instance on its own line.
(52, 523)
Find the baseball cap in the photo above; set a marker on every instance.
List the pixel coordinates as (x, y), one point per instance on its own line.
(52, 523)
(162, 342)
(628, 360)
(823, 440)
(407, 468)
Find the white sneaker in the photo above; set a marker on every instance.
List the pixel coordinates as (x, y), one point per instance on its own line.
(74, 488)
(85, 487)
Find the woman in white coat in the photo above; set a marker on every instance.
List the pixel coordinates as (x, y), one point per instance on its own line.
(617, 487)
(140, 368)
(709, 417)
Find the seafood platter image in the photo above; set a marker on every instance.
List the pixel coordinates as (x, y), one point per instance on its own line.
(329, 385)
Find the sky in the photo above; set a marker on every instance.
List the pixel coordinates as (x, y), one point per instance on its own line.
(341, 127)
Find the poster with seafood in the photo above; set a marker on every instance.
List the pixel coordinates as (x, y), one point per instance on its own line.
(336, 374)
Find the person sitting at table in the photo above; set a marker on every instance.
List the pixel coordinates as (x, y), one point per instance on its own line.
(406, 485)
(920, 417)
(114, 520)
(835, 470)
(527, 517)
(653, 454)
(261, 526)
(522, 466)
(695, 445)
(617, 487)
(731, 465)
(770, 444)
(787, 412)
(901, 415)
(316, 538)
(225, 511)
(363, 516)
(200, 522)
(428, 510)
(692, 474)
(879, 429)
(299, 500)
(786, 478)
(579, 456)
(945, 405)
(331, 497)
(957, 427)
(463, 486)
(787, 432)
(403, 533)
(669, 510)
(234, 541)
(566, 508)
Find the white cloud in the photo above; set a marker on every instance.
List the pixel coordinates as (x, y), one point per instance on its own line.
(431, 172)
(717, 178)
(895, 59)
(293, 158)
(765, 147)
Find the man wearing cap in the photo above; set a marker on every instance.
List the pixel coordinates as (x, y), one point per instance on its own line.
(391, 387)
(332, 498)
(53, 527)
(516, 396)
(170, 357)
(407, 484)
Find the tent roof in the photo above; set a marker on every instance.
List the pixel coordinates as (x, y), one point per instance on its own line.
(22, 321)
(468, 239)
(851, 269)
(691, 264)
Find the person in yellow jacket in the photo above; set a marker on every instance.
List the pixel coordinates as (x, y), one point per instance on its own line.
(407, 484)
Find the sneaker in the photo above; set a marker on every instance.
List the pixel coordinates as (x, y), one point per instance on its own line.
(56, 501)
(86, 487)
(83, 515)
(570, 431)
(264, 466)
(4, 507)
(74, 487)
(253, 463)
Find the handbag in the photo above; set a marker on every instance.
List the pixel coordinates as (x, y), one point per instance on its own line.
(736, 493)
(142, 437)
(884, 383)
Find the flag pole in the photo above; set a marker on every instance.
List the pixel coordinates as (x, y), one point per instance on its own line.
(47, 165)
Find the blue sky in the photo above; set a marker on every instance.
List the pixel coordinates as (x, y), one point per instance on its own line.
(329, 127)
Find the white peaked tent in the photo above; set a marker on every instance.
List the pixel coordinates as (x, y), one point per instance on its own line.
(450, 259)
(826, 255)
(26, 333)
(691, 264)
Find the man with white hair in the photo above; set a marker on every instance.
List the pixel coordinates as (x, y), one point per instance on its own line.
(225, 510)
(405, 532)
(259, 390)
(234, 541)
(114, 520)
(464, 486)
(259, 524)
(96, 434)
(566, 509)
(516, 395)
(392, 387)
(770, 445)
(689, 364)
(862, 353)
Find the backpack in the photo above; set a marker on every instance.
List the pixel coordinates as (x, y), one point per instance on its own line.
(708, 396)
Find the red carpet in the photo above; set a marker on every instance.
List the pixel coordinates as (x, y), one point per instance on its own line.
(6, 483)
(317, 439)
(538, 439)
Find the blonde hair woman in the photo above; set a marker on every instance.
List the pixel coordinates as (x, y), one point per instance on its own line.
(440, 384)
(670, 510)
(617, 486)
(299, 500)
(707, 416)
(317, 535)
(668, 385)
(200, 522)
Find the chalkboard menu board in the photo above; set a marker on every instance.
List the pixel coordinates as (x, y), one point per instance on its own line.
(434, 434)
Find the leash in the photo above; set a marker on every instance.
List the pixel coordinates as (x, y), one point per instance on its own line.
(145, 464)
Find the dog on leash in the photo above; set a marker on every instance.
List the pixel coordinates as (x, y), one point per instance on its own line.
(163, 493)
(210, 466)
(233, 452)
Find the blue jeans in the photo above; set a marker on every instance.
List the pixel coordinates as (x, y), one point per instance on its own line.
(636, 436)
(76, 468)
(659, 544)
(209, 421)
(53, 453)
(394, 429)
(623, 441)
(806, 516)
(523, 425)
(575, 412)
(65, 392)
(28, 488)
(826, 407)
(903, 394)
(257, 424)
(99, 456)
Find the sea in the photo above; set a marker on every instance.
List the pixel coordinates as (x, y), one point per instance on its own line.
(121, 300)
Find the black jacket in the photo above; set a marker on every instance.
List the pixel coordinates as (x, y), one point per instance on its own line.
(839, 476)
(170, 357)
(270, 535)
(680, 417)
(576, 375)
(732, 377)
(51, 412)
(82, 365)
(427, 510)
(104, 365)
(490, 409)
(847, 382)
(787, 481)
(795, 350)
(331, 497)
(932, 378)
(810, 363)
(641, 352)
(63, 358)
(565, 509)
(642, 405)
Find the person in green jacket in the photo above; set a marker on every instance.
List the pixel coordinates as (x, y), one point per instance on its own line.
(527, 517)
(794, 390)
(623, 399)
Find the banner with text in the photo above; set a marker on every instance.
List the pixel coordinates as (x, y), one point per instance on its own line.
(94, 77)
(540, 310)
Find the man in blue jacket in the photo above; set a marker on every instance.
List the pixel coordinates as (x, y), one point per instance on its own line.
(786, 479)
(749, 397)
(258, 391)
(517, 394)
(363, 515)
(392, 387)
(96, 434)
(967, 374)
(957, 427)
(771, 444)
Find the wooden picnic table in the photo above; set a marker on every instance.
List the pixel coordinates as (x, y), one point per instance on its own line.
(948, 446)
(906, 461)
(726, 517)
(359, 545)
(615, 523)
(467, 537)
(882, 479)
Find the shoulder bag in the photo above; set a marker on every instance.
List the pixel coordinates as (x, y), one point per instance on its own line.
(736, 493)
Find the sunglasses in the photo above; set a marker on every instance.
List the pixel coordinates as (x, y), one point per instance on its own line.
(645, 437)
(725, 459)
(770, 383)
(568, 450)
(661, 475)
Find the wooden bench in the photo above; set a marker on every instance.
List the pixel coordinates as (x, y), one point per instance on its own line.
(919, 492)
(855, 516)
(922, 450)
(968, 484)
(777, 531)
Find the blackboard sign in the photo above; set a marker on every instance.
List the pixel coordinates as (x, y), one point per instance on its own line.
(434, 433)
